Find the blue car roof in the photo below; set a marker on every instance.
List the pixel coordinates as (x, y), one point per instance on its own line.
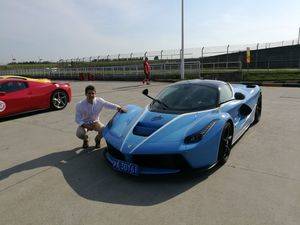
(211, 83)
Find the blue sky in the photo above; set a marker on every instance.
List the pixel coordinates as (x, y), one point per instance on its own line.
(33, 29)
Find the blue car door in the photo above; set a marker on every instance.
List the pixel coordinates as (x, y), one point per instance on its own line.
(232, 108)
(237, 109)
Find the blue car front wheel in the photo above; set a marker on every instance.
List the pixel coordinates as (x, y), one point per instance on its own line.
(225, 143)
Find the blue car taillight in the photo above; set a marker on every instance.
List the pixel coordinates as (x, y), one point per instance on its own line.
(196, 137)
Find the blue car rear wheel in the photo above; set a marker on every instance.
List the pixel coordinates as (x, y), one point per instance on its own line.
(258, 110)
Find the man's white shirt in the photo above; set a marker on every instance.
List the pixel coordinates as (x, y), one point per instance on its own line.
(89, 113)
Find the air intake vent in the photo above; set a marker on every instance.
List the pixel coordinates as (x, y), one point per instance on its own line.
(115, 152)
(145, 129)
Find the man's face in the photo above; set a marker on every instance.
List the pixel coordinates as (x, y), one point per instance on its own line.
(90, 95)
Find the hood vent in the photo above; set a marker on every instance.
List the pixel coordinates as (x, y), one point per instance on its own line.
(145, 129)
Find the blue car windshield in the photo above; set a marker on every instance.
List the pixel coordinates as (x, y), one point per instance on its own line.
(183, 98)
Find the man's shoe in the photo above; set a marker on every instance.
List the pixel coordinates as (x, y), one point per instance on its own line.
(85, 144)
(97, 143)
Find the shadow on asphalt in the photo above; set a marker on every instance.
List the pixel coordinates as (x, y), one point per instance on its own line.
(90, 177)
(8, 118)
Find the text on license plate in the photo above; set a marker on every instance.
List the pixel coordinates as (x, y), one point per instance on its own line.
(125, 167)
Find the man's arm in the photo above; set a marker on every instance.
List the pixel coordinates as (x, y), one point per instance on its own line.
(113, 106)
(78, 116)
(148, 68)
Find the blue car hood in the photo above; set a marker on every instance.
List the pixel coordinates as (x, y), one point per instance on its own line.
(138, 127)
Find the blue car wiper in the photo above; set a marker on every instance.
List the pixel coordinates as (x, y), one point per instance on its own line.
(161, 103)
(145, 92)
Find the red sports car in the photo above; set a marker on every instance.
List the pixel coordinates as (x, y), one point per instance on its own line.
(21, 94)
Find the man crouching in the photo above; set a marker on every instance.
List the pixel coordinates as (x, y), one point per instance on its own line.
(87, 116)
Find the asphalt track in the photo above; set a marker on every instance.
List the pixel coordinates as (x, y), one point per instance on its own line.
(46, 178)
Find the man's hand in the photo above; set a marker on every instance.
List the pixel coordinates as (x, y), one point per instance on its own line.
(89, 126)
(121, 110)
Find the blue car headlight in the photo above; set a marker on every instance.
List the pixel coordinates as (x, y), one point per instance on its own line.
(196, 137)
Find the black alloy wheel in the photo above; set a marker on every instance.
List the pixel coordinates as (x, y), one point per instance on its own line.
(225, 144)
(258, 110)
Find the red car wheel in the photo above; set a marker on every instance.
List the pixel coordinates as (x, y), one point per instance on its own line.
(59, 100)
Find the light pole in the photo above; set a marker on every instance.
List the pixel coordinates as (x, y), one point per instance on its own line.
(299, 36)
(227, 57)
(182, 43)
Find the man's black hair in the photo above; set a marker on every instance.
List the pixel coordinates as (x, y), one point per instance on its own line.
(89, 88)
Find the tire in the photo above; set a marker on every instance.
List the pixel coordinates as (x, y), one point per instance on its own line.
(59, 100)
(258, 110)
(225, 143)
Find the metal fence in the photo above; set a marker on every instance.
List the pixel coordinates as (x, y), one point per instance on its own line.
(204, 51)
(194, 68)
(170, 54)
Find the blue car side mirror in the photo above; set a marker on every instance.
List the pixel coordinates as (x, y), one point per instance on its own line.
(145, 92)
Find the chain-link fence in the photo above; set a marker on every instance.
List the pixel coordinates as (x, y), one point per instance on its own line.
(205, 51)
(166, 63)
(171, 70)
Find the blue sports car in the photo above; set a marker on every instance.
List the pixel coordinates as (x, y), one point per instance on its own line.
(190, 124)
